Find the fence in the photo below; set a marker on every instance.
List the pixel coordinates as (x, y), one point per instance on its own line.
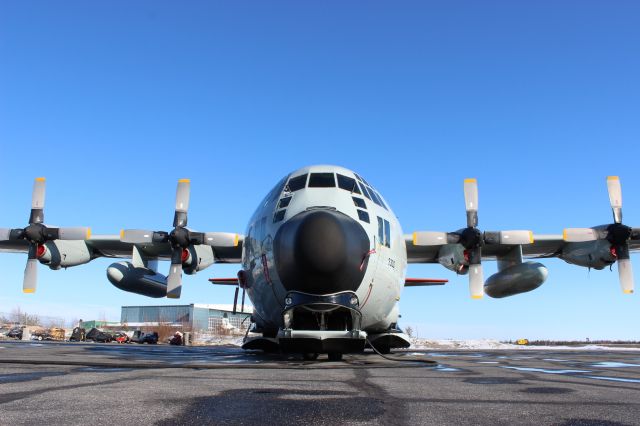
(228, 326)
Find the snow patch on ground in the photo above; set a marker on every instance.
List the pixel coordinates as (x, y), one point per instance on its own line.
(209, 339)
(487, 344)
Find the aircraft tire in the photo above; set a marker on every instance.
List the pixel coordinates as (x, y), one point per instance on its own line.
(335, 356)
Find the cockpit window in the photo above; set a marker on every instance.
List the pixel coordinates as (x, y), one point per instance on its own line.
(278, 216)
(322, 180)
(375, 197)
(363, 216)
(361, 179)
(284, 202)
(364, 190)
(297, 183)
(275, 192)
(359, 202)
(348, 183)
(383, 203)
(387, 233)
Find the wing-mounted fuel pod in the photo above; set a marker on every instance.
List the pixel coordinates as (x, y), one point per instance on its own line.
(515, 276)
(183, 241)
(471, 239)
(36, 234)
(616, 234)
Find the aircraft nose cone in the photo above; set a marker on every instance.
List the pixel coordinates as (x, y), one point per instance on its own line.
(320, 252)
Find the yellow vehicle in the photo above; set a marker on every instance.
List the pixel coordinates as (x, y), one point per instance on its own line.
(56, 333)
(522, 342)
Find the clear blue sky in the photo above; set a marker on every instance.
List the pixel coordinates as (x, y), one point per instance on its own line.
(114, 102)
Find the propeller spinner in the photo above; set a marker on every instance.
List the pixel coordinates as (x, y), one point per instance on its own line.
(36, 234)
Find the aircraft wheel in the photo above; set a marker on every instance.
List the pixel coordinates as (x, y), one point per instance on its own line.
(335, 356)
(310, 356)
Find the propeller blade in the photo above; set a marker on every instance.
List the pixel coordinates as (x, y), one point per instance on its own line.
(174, 280)
(37, 201)
(429, 238)
(30, 276)
(75, 233)
(37, 197)
(4, 234)
(31, 271)
(625, 272)
(221, 239)
(508, 237)
(182, 202)
(136, 236)
(476, 281)
(471, 201)
(615, 197)
(578, 235)
(516, 237)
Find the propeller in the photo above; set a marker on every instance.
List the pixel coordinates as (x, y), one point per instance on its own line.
(617, 234)
(472, 239)
(36, 234)
(180, 238)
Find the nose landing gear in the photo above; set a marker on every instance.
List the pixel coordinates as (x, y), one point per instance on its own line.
(327, 323)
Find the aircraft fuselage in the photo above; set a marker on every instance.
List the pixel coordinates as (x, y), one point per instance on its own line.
(322, 230)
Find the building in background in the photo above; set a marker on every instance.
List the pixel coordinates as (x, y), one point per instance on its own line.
(98, 324)
(196, 317)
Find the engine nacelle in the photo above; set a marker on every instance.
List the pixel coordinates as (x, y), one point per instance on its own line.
(516, 279)
(198, 258)
(590, 254)
(142, 281)
(451, 256)
(63, 253)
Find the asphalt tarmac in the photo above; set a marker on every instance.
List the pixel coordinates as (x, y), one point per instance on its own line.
(61, 383)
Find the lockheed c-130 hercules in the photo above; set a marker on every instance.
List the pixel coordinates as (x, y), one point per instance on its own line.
(324, 258)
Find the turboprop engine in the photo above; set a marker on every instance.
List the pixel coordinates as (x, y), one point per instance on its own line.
(139, 280)
(196, 258)
(452, 257)
(62, 254)
(590, 254)
(516, 279)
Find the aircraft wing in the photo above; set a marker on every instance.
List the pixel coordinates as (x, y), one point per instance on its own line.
(61, 247)
(111, 246)
(543, 246)
(463, 251)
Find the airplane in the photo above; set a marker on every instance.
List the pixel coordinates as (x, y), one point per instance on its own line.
(324, 258)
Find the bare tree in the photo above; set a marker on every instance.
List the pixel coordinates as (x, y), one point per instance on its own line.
(408, 331)
(17, 315)
(32, 319)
